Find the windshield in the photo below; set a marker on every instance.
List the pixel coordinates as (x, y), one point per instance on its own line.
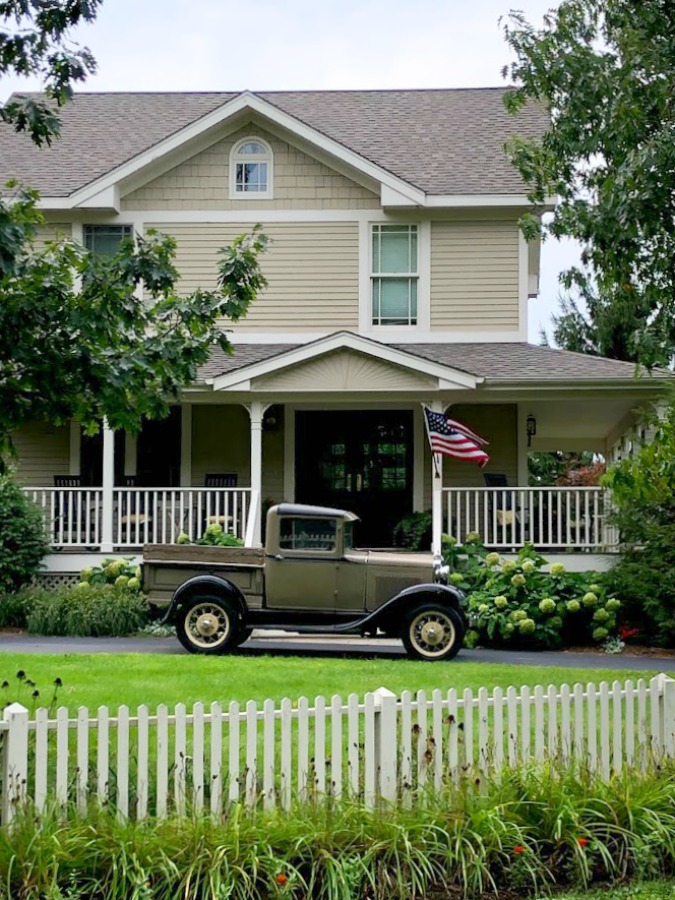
(349, 536)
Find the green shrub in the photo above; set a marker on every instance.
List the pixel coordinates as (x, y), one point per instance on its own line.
(413, 531)
(23, 540)
(15, 607)
(515, 603)
(123, 573)
(643, 502)
(87, 610)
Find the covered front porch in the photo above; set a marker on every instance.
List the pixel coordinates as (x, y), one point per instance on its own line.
(339, 422)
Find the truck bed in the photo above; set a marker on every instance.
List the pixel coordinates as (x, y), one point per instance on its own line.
(167, 566)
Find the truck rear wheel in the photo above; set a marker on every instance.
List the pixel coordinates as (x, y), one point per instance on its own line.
(432, 631)
(209, 625)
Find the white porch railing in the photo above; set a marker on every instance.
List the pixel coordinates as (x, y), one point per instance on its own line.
(551, 518)
(74, 516)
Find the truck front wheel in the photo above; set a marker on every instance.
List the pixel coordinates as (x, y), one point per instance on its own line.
(432, 631)
(209, 625)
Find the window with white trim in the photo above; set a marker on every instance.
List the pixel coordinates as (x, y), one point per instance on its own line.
(394, 275)
(251, 170)
(105, 240)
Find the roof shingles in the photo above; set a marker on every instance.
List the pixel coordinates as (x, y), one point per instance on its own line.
(441, 141)
(512, 362)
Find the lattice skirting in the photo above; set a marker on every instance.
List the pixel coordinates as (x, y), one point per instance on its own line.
(57, 579)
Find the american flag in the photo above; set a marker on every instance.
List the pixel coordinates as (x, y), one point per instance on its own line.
(451, 438)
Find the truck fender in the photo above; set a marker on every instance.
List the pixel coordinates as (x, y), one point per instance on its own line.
(199, 584)
(448, 596)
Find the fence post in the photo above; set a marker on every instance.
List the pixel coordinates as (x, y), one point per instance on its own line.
(668, 714)
(386, 745)
(15, 760)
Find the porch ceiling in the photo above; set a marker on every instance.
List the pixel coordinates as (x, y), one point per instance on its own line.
(581, 424)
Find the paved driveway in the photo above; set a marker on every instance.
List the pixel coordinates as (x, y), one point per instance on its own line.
(329, 647)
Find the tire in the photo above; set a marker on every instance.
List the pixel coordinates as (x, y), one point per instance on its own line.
(209, 625)
(244, 634)
(420, 632)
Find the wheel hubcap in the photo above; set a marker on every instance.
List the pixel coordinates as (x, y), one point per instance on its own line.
(432, 633)
(207, 625)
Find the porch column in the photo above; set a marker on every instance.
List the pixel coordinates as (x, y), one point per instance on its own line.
(436, 492)
(186, 445)
(256, 410)
(108, 487)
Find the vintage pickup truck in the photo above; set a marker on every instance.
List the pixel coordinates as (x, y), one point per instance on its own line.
(308, 578)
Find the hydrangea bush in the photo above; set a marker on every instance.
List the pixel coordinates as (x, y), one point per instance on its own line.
(213, 536)
(121, 573)
(515, 603)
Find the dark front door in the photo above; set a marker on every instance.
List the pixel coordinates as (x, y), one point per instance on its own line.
(361, 461)
(159, 451)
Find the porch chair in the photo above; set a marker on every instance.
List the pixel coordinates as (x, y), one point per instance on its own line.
(133, 515)
(505, 514)
(219, 480)
(65, 508)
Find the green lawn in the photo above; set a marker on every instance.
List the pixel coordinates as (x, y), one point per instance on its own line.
(133, 679)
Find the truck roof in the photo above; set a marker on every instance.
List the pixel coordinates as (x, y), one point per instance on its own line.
(315, 512)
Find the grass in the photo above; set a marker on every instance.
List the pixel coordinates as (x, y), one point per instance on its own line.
(651, 890)
(114, 679)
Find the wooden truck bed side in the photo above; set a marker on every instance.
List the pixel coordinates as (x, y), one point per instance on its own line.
(167, 566)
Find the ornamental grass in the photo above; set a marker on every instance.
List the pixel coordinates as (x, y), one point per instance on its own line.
(531, 832)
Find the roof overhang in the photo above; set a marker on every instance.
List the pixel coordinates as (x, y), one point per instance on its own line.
(443, 378)
(104, 193)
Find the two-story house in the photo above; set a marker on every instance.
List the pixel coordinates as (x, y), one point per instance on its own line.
(398, 276)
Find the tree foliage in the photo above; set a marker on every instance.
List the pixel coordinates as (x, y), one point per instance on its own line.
(605, 70)
(643, 497)
(34, 41)
(89, 338)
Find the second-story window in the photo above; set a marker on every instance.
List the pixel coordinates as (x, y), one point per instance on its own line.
(394, 275)
(251, 170)
(104, 240)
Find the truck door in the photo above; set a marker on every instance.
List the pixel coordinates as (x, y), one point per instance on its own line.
(302, 574)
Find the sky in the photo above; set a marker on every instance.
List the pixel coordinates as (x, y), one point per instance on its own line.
(221, 45)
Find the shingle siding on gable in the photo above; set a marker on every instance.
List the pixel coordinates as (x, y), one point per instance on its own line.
(312, 269)
(299, 182)
(474, 276)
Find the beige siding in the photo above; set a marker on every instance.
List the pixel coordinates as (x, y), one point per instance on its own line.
(51, 231)
(300, 182)
(312, 269)
(44, 451)
(498, 424)
(221, 443)
(474, 276)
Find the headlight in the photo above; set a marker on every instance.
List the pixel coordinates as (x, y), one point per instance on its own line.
(441, 573)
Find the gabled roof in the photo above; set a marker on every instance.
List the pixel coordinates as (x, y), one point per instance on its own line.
(438, 141)
(490, 363)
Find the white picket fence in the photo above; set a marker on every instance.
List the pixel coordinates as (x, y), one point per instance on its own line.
(377, 749)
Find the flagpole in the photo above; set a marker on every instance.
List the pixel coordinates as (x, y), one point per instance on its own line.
(436, 488)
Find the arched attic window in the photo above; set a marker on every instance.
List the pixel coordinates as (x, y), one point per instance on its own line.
(251, 170)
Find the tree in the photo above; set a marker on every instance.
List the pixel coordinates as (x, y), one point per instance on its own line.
(643, 497)
(88, 338)
(604, 69)
(79, 337)
(34, 41)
